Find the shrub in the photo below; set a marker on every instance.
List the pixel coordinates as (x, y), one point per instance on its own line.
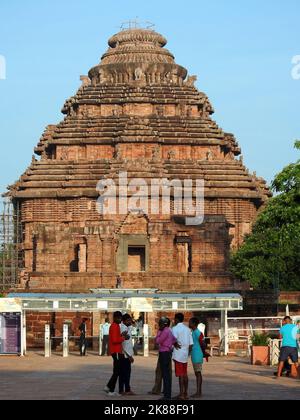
(260, 340)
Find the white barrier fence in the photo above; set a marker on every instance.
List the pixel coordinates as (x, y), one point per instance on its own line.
(66, 340)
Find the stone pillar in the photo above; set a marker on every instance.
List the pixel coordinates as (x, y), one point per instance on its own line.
(107, 255)
(154, 254)
(82, 264)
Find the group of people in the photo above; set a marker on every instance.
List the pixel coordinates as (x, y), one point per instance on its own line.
(175, 344)
(136, 330)
(121, 349)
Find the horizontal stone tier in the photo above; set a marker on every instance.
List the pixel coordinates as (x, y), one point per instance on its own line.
(92, 164)
(147, 176)
(121, 124)
(54, 174)
(47, 175)
(126, 93)
(82, 282)
(125, 99)
(125, 119)
(159, 135)
(208, 140)
(92, 183)
(92, 193)
(148, 122)
(156, 133)
(146, 172)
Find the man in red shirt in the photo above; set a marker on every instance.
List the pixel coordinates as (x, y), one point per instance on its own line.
(115, 348)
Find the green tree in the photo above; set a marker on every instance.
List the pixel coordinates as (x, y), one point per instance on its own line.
(270, 255)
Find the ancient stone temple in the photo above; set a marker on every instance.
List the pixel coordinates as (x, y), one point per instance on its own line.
(139, 113)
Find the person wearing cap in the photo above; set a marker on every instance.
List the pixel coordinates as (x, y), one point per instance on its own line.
(166, 342)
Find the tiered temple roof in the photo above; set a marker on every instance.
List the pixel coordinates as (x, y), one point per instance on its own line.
(137, 95)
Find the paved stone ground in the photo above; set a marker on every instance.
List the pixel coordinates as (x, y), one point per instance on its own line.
(75, 378)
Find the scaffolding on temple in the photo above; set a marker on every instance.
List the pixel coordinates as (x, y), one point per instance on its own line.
(11, 260)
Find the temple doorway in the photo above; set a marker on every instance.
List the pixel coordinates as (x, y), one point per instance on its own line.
(136, 258)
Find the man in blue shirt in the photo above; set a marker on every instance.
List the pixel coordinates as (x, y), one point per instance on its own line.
(288, 334)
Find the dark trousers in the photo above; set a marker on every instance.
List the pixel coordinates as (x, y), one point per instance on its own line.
(165, 358)
(105, 345)
(125, 374)
(159, 379)
(116, 371)
(82, 345)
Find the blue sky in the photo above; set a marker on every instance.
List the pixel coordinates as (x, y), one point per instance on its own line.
(241, 52)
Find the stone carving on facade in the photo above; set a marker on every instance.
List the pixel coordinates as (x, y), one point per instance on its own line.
(189, 111)
(171, 155)
(206, 109)
(64, 154)
(117, 152)
(139, 74)
(209, 155)
(160, 110)
(102, 77)
(138, 165)
(191, 80)
(86, 81)
(174, 77)
(156, 153)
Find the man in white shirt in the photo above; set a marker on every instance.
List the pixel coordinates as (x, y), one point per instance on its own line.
(105, 337)
(127, 360)
(185, 342)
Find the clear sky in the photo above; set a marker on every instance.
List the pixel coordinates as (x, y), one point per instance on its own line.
(241, 52)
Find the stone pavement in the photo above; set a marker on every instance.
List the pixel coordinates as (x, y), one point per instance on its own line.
(75, 378)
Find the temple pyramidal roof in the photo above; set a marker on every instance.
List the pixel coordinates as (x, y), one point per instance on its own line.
(137, 73)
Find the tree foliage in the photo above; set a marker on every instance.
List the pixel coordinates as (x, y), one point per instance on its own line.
(270, 255)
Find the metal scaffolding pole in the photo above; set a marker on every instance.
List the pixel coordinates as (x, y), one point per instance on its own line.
(10, 250)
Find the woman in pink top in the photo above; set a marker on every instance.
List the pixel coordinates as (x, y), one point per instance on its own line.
(166, 342)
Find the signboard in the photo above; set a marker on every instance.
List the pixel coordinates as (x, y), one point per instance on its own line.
(10, 326)
(233, 334)
(10, 333)
(140, 304)
(102, 304)
(10, 305)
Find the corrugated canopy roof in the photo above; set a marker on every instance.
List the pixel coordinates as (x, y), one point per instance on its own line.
(126, 301)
